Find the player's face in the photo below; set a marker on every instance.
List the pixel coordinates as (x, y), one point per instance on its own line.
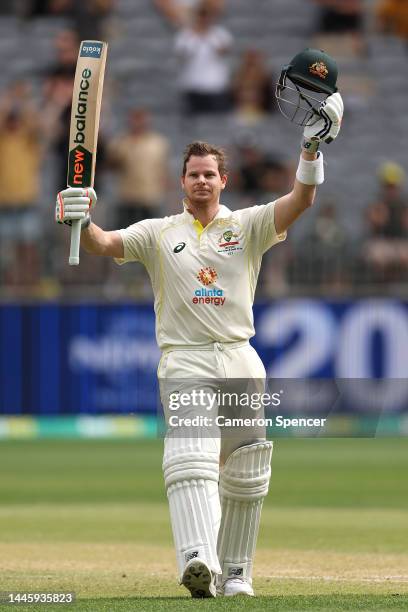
(202, 182)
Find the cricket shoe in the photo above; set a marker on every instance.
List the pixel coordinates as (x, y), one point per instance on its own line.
(199, 579)
(235, 586)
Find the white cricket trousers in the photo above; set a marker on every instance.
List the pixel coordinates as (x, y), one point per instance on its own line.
(193, 453)
(220, 368)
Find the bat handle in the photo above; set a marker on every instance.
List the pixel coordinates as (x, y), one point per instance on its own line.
(75, 241)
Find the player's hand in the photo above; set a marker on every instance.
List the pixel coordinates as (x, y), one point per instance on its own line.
(327, 128)
(75, 203)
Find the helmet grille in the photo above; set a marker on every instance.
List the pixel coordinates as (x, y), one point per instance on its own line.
(295, 102)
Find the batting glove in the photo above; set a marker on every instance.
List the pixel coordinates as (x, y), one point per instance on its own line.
(327, 128)
(75, 203)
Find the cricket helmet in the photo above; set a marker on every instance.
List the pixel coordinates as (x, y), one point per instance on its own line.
(311, 70)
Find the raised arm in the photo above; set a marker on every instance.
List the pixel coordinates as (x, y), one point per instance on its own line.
(289, 207)
(310, 172)
(75, 203)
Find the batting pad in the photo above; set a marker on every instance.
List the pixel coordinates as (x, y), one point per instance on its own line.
(244, 483)
(191, 472)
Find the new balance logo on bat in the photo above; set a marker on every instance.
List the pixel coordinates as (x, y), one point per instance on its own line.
(79, 167)
(82, 105)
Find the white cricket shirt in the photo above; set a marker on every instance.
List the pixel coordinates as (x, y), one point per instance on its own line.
(203, 279)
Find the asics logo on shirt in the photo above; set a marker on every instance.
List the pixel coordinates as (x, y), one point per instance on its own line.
(179, 247)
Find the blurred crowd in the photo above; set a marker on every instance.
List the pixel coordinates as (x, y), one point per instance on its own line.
(137, 175)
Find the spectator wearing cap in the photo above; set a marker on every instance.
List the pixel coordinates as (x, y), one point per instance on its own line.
(385, 250)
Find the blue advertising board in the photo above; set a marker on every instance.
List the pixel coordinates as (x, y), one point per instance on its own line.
(102, 359)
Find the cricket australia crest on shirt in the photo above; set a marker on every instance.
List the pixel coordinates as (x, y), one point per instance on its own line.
(229, 241)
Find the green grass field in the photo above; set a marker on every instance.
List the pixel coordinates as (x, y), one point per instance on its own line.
(91, 517)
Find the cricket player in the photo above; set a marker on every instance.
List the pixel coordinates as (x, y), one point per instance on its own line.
(203, 264)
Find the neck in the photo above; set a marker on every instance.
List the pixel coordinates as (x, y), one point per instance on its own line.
(205, 214)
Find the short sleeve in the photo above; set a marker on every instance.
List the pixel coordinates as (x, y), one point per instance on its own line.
(262, 229)
(139, 241)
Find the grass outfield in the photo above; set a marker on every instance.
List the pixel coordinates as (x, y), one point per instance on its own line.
(91, 517)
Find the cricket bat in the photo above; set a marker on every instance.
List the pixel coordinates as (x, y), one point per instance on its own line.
(83, 133)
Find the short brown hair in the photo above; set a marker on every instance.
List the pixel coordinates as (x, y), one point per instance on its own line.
(202, 149)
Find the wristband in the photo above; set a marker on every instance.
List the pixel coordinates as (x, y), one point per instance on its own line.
(311, 172)
(86, 223)
(309, 145)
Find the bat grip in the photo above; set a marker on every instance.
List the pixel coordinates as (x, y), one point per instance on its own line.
(75, 241)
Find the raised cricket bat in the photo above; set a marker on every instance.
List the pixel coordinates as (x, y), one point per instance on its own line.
(83, 133)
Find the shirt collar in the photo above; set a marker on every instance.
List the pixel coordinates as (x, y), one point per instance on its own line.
(222, 213)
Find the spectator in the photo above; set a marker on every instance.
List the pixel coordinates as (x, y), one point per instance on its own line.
(91, 18)
(140, 159)
(44, 8)
(204, 76)
(249, 168)
(341, 23)
(257, 174)
(325, 259)
(21, 154)
(277, 176)
(385, 251)
(252, 87)
(66, 45)
(88, 18)
(392, 17)
(179, 13)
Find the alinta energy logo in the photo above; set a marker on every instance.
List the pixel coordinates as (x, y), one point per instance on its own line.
(207, 276)
(215, 297)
